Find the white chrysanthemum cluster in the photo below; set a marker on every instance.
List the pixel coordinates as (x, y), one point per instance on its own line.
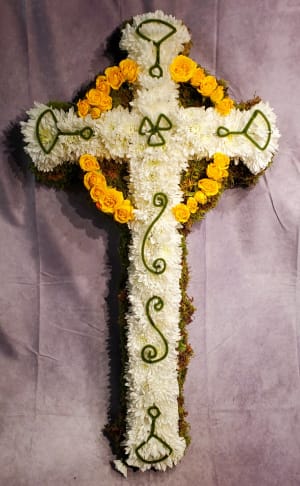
(157, 382)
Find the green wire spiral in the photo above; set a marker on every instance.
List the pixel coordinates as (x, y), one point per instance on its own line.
(159, 265)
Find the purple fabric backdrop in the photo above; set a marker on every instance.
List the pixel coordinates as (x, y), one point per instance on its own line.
(57, 261)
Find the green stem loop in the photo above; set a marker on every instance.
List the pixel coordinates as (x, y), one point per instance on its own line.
(155, 70)
(159, 265)
(224, 131)
(149, 352)
(85, 132)
(153, 413)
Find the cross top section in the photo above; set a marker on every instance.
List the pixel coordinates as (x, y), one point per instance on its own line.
(153, 42)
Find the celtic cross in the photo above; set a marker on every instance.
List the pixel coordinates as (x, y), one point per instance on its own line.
(183, 141)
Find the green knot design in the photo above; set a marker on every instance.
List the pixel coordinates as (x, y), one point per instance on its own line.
(149, 352)
(224, 131)
(155, 71)
(141, 450)
(47, 136)
(155, 138)
(159, 265)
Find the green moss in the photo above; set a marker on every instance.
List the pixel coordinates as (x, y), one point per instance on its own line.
(184, 348)
(65, 176)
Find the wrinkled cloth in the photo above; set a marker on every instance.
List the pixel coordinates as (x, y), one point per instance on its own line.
(59, 264)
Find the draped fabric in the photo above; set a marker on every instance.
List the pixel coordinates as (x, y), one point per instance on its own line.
(60, 268)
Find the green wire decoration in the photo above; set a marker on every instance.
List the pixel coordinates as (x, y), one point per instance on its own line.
(155, 138)
(156, 71)
(153, 413)
(149, 352)
(159, 265)
(85, 133)
(224, 131)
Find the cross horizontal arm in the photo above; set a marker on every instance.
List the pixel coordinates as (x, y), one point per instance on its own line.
(250, 136)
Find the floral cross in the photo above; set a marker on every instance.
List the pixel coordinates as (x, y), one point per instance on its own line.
(184, 141)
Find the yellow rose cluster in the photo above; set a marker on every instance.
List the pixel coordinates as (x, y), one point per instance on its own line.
(208, 187)
(183, 70)
(98, 99)
(108, 199)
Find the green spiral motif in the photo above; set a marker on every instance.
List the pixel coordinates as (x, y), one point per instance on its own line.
(160, 200)
(149, 352)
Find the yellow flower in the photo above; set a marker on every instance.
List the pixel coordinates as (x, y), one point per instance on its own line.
(123, 212)
(215, 172)
(192, 204)
(221, 160)
(209, 186)
(197, 77)
(97, 192)
(88, 162)
(114, 77)
(105, 102)
(93, 96)
(182, 69)
(200, 197)
(83, 107)
(102, 84)
(224, 106)
(95, 112)
(181, 212)
(129, 69)
(208, 85)
(110, 200)
(94, 178)
(217, 95)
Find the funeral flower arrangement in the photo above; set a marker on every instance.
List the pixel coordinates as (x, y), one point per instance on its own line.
(155, 140)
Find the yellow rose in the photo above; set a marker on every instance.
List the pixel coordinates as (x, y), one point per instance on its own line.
(114, 77)
(94, 178)
(105, 102)
(182, 68)
(110, 200)
(192, 204)
(88, 162)
(83, 107)
(208, 85)
(209, 187)
(102, 84)
(215, 172)
(123, 212)
(221, 160)
(181, 212)
(129, 70)
(97, 192)
(93, 96)
(197, 77)
(224, 106)
(95, 112)
(217, 95)
(200, 197)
